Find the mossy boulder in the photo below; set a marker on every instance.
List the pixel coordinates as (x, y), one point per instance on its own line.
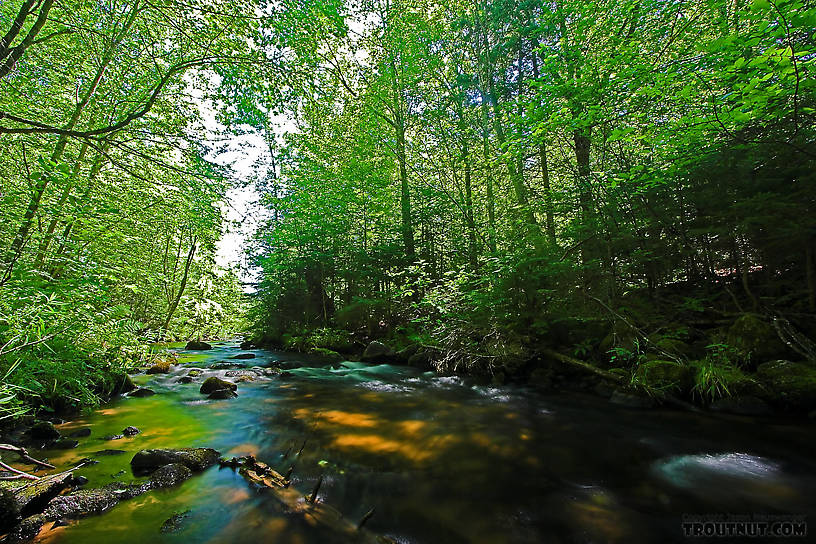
(159, 367)
(378, 352)
(124, 384)
(326, 356)
(672, 346)
(213, 383)
(666, 375)
(195, 459)
(756, 340)
(792, 385)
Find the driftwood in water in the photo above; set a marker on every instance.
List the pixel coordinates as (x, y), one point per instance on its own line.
(313, 511)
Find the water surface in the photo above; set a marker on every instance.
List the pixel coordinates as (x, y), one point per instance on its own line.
(442, 459)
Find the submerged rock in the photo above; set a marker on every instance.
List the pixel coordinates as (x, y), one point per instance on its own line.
(213, 383)
(197, 345)
(81, 433)
(377, 352)
(130, 431)
(185, 379)
(104, 453)
(244, 356)
(174, 523)
(141, 393)
(196, 459)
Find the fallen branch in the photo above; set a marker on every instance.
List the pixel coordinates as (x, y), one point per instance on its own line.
(313, 511)
(583, 364)
(19, 473)
(25, 456)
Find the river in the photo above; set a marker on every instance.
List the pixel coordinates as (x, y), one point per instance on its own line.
(442, 459)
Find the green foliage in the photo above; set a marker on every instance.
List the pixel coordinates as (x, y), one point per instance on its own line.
(718, 374)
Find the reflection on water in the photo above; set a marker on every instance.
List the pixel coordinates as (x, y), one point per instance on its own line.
(443, 459)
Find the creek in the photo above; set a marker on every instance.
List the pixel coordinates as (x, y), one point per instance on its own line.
(441, 458)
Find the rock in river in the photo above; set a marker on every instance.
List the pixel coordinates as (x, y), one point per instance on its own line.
(377, 352)
(214, 384)
(141, 392)
(197, 345)
(222, 394)
(44, 430)
(196, 459)
(244, 356)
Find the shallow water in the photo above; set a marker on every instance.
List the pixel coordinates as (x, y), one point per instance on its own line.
(441, 458)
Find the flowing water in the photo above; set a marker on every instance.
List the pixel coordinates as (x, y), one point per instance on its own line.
(442, 459)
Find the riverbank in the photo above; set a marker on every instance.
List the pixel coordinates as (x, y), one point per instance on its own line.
(746, 363)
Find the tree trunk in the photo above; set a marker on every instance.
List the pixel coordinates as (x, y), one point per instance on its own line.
(172, 309)
(810, 264)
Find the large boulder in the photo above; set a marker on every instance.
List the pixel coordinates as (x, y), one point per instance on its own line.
(197, 345)
(124, 384)
(326, 356)
(791, 385)
(378, 352)
(195, 459)
(422, 359)
(214, 383)
(405, 354)
(756, 340)
(666, 375)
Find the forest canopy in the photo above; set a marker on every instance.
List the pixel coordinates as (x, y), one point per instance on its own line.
(483, 178)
